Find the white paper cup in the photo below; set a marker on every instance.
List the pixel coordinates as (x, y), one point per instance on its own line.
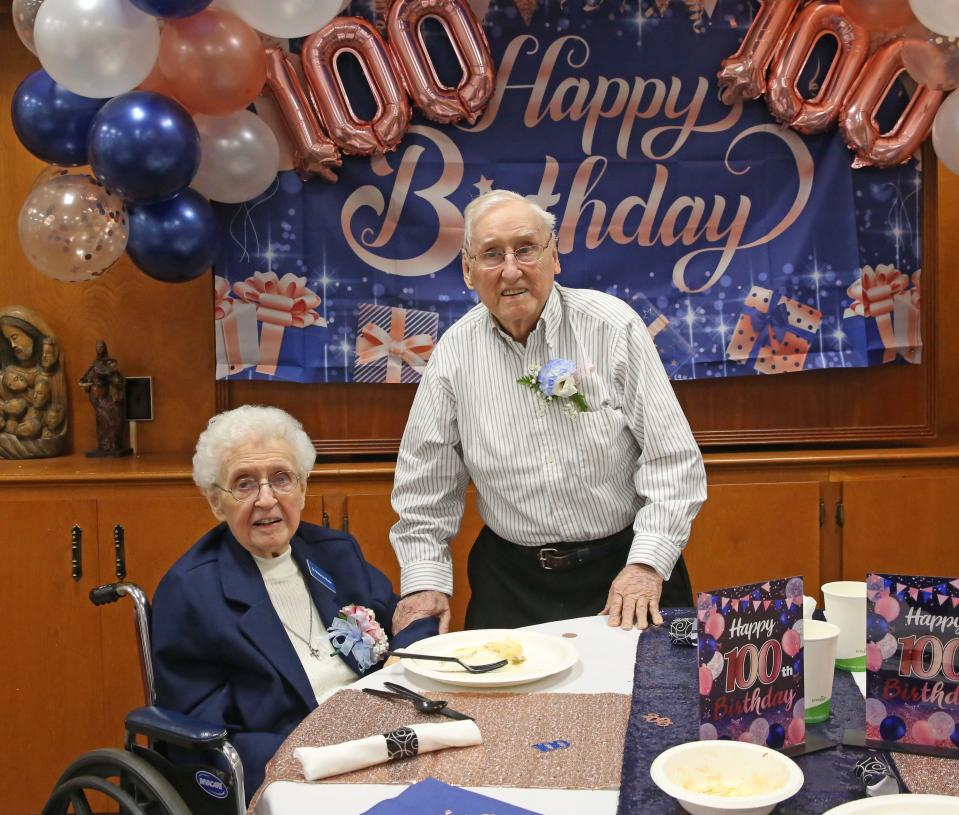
(808, 606)
(845, 606)
(819, 661)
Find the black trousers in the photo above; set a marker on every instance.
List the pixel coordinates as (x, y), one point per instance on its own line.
(510, 588)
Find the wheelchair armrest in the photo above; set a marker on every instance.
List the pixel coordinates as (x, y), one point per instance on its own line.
(171, 727)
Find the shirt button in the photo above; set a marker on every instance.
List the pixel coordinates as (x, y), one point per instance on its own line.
(550, 460)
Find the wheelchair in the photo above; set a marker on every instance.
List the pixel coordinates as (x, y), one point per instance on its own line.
(140, 779)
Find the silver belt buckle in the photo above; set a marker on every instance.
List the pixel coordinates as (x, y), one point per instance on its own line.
(542, 557)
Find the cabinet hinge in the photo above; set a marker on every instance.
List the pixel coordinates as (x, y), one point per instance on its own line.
(840, 513)
(326, 519)
(76, 552)
(346, 521)
(822, 511)
(119, 553)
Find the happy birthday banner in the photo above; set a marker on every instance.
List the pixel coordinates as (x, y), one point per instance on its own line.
(746, 247)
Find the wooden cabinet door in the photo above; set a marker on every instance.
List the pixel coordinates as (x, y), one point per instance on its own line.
(369, 517)
(900, 526)
(51, 680)
(751, 532)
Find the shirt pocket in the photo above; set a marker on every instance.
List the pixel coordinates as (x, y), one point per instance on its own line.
(602, 440)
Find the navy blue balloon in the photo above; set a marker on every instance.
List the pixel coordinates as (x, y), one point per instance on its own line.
(892, 728)
(876, 627)
(954, 737)
(707, 647)
(174, 241)
(144, 146)
(171, 8)
(52, 122)
(776, 737)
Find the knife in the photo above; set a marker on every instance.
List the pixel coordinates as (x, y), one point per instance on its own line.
(409, 694)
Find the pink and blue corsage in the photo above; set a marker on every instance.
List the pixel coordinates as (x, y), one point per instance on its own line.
(557, 379)
(355, 631)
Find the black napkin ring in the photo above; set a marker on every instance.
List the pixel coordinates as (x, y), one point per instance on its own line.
(876, 777)
(401, 743)
(682, 631)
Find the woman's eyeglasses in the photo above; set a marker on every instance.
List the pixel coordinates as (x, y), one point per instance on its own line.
(494, 258)
(247, 487)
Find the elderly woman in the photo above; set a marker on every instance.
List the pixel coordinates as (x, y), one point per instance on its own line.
(240, 622)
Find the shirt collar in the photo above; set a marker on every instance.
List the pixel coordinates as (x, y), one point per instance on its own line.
(549, 319)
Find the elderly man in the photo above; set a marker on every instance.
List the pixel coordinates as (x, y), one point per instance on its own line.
(588, 495)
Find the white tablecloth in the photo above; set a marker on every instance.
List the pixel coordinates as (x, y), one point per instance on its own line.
(606, 666)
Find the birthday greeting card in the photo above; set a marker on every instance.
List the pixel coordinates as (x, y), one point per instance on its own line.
(751, 663)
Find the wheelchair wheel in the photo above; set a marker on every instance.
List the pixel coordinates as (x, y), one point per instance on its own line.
(137, 786)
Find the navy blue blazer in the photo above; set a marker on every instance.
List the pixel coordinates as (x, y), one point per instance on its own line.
(220, 651)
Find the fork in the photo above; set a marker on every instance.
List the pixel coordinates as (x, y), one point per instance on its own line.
(423, 704)
(473, 669)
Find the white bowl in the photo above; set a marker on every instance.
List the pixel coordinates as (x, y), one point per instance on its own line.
(899, 805)
(726, 762)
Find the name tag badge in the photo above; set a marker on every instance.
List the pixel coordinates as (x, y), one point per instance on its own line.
(320, 576)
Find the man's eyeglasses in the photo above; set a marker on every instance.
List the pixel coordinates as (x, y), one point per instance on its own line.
(247, 487)
(494, 258)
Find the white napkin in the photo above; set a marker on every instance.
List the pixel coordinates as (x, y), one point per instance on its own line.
(322, 762)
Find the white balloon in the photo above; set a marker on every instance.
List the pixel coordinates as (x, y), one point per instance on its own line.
(875, 711)
(941, 724)
(941, 16)
(945, 132)
(239, 157)
(96, 48)
(24, 16)
(284, 18)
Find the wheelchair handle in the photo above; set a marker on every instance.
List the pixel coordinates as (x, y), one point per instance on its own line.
(102, 595)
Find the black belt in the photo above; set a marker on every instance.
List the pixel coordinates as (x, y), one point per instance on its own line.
(561, 557)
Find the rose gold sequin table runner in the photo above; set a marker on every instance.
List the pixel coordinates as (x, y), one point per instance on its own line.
(580, 737)
(928, 774)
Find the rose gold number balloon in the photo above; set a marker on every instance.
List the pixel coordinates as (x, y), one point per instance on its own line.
(389, 125)
(743, 75)
(784, 100)
(315, 153)
(436, 101)
(858, 118)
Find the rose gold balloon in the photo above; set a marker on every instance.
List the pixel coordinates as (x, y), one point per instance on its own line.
(436, 101)
(931, 59)
(858, 117)
(743, 75)
(315, 154)
(213, 61)
(392, 120)
(785, 102)
(156, 82)
(879, 15)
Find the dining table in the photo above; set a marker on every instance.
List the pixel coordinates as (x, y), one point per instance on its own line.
(606, 662)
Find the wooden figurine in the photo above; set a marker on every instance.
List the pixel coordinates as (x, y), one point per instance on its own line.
(105, 386)
(33, 388)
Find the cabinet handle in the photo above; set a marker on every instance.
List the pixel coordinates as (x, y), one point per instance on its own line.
(346, 521)
(76, 552)
(119, 553)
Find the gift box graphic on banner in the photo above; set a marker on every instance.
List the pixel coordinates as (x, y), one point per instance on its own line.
(393, 344)
(774, 332)
(234, 322)
(279, 303)
(674, 350)
(883, 300)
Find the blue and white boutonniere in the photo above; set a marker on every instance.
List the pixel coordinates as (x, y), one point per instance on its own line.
(355, 630)
(557, 379)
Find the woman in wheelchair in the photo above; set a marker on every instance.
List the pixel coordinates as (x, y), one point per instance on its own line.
(240, 621)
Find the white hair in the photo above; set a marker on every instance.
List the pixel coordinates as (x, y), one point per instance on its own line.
(248, 424)
(482, 204)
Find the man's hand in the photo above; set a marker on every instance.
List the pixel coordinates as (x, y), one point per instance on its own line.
(422, 604)
(633, 596)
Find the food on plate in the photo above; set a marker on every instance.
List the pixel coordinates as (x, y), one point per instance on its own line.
(491, 652)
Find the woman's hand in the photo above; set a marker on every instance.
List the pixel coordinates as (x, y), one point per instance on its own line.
(421, 604)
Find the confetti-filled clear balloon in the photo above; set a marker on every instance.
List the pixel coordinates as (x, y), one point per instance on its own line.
(24, 15)
(887, 646)
(72, 228)
(941, 724)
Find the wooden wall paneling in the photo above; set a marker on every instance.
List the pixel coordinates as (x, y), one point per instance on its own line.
(153, 329)
(51, 682)
(748, 532)
(903, 525)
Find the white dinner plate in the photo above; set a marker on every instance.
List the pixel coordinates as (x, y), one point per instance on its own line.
(899, 805)
(545, 656)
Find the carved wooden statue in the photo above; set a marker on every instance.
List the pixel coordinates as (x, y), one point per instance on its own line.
(105, 386)
(33, 388)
